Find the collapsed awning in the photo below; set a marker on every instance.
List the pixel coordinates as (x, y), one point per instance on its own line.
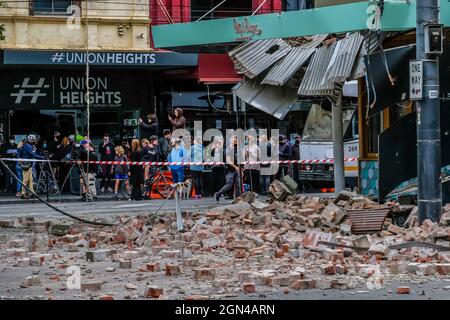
(274, 100)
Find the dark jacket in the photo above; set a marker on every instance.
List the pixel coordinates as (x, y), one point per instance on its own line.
(29, 152)
(106, 151)
(136, 172)
(93, 168)
(149, 129)
(149, 154)
(285, 151)
(296, 152)
(178, 123)
(120, 168)
(164, 147)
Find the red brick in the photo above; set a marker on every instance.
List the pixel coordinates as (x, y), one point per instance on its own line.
(285, 247)
(204, 274)
(279, 253)
(443, 268)
(239, 253)
(402, 290)
(303, 284)
(92, 243)
(172, 269)
(153, 292)
(153, 267)
(92, 286)
(249, 287)
(107, 297)
(328, 269)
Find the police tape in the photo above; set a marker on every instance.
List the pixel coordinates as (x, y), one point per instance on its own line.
(187, 163)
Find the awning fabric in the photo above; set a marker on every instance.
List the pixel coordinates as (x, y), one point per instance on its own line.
(216, 69)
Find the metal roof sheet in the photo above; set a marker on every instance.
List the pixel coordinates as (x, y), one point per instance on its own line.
(287, 66)
(274, 100)
(254, 57)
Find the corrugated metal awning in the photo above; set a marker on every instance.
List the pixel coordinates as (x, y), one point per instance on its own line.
(313, 84)
(287, 66)
(254, 57)
(330, 65)
(274, 100)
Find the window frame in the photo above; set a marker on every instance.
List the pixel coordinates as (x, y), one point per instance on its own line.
(33, 12)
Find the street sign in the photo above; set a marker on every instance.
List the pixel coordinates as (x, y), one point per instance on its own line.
(415, 80)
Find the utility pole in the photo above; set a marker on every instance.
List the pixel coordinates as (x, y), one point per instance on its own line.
(338, 145)
(428, 119)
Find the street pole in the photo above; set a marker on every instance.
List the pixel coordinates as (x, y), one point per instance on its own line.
(428, 120)
(338, 145)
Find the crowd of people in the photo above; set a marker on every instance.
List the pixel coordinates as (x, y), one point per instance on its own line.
(221, 179)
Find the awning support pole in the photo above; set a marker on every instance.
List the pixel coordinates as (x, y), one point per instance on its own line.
(338, 145)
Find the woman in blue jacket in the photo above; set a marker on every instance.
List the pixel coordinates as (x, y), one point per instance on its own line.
(178, 154)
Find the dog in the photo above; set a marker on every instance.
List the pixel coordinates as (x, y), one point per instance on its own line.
(184, 189)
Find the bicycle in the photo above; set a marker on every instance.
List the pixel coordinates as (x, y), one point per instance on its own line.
(44, 181)
(162, 182)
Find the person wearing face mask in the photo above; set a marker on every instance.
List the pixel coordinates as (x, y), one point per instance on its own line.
(9, 150)
(296, 156)
(106, 150)
(28, 151)
(54, 143)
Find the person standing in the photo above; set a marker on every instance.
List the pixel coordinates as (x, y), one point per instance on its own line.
(196, 170)
(252, 154)
(217, 170)
(120, 170)
(88, 152)
(233, 171)
(150, 127)
(136, 172)
(54, 143)
(178, 122)
(177, 154)
(150, 153)
(106, 150)
(28, 151)
(19, 171)
(295, 166)
(9, 150)
(265, 148)
(164, 145)
(285, 153)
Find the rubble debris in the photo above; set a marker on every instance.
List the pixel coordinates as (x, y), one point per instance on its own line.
(250, 246)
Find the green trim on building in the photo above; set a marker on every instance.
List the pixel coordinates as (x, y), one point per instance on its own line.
(398, 16)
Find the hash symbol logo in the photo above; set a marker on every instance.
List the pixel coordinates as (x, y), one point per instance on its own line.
(34, 94)
(57, 57)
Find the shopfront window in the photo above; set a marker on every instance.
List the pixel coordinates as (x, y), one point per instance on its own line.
(102, 122)
(230, 8)
(318, 126)
(50, 6)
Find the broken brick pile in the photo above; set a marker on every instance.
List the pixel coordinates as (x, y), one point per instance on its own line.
(246, 247)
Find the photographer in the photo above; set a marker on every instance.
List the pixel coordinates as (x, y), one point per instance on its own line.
(106, 150)
(28, 151)
(150, 127)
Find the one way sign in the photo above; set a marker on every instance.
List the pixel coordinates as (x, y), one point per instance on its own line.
(415, 80)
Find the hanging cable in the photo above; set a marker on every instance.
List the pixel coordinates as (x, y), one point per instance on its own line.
(259, 7)
(211, 102)
(50, 205)
(210, 11)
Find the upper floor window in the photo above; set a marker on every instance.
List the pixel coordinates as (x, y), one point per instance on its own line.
(50, 6)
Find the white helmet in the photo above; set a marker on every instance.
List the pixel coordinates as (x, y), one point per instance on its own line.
(31, 138)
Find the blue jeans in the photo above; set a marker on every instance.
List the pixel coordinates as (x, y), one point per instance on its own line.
(19, 175)
(178, 175)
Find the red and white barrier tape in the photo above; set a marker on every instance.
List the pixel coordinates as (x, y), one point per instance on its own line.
(146, 163)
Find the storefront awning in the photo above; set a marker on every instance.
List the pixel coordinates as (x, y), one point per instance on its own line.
(397, 16)
(98, 58)
(216, 69)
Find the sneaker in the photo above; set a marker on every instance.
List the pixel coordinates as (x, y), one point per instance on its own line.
(18, 194)
(110, 189)
(102, 189)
